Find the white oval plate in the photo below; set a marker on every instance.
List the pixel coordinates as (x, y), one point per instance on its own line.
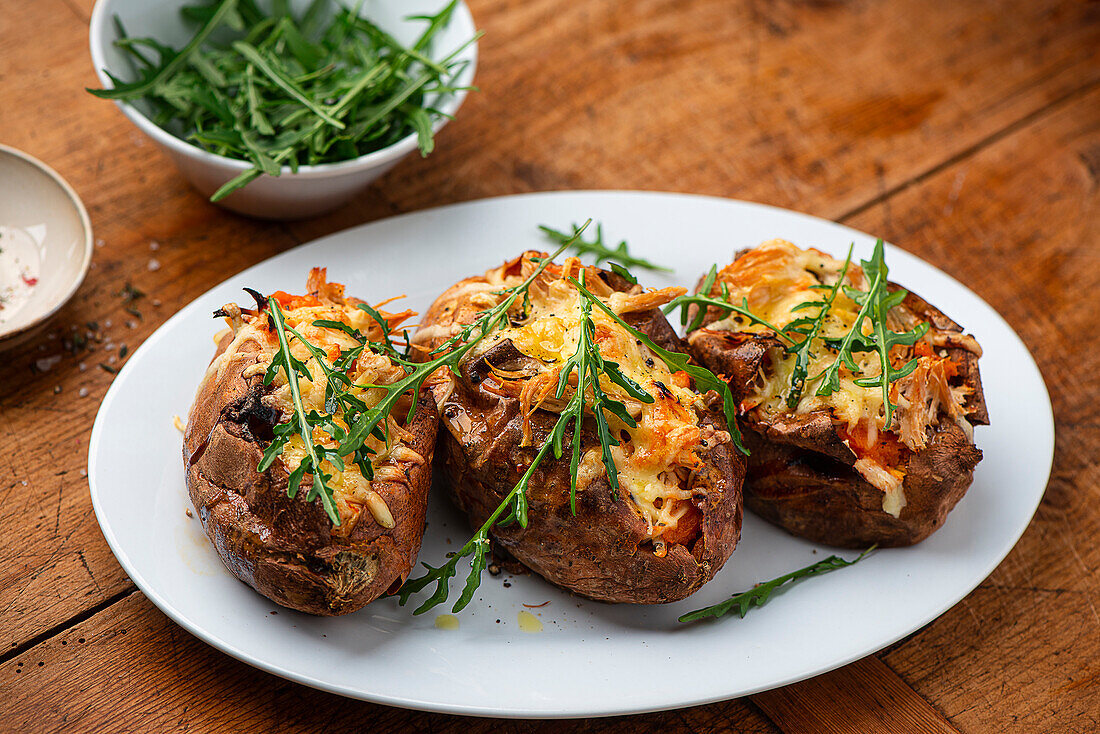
(590, 659)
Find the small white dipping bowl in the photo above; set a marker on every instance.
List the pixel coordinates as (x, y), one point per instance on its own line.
(45, 244)
(313, 189)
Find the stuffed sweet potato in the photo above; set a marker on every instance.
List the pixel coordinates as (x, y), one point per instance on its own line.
(833, 458)
(333, 550)
(675, 515)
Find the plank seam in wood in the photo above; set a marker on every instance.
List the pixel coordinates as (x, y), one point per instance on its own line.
(931, 704)
(750, 701)
(977, 147)
(871, 696)
(61, 627)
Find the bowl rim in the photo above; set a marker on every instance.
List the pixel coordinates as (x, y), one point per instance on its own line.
(98, 27)
(86, 261)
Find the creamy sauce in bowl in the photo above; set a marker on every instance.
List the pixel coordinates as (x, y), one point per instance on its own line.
(45, 245)
(20, 267)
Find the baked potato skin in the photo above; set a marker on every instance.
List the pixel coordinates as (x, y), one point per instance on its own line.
(284, 548)
(604, 552)
(800, 474)
(826, 501)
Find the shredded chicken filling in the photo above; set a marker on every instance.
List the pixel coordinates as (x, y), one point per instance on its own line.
(774, 279)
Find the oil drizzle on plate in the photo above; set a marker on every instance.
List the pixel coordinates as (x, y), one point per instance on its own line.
(195, 549)
(446, 622)
(529, 622)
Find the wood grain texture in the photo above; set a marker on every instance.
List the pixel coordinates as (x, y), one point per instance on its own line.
(868, 698)
(1019, 222)
(56, 562)
(148, 674)
(964, 132)
(818, 106)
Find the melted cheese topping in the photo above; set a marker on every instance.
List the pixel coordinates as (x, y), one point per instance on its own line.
(254, 340)
(655, 457)
(775, 278)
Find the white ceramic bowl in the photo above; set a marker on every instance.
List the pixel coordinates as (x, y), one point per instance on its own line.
(313, 189)
(45, 244)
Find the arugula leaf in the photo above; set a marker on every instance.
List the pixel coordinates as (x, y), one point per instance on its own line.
(809, 329)
(282, 80)
(875, 304)
(620, 254)
(300, 423)
(726, 307)
(589, 364)
(701, 310)
(704, 379)
(803, 334)
(515, 504)
(159, 75)
(759, 595)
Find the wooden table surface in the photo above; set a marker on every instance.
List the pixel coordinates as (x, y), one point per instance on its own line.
(965, 132)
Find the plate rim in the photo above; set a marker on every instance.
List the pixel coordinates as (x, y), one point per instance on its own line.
(558, 712)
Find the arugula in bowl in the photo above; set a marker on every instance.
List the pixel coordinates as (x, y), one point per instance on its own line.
(283, 89)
